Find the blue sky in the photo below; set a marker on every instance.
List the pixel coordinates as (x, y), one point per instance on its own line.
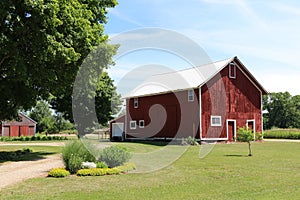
(264, 34)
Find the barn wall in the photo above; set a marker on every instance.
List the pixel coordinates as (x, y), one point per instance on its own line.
(165, 116)
(232, 98)
(24, 127)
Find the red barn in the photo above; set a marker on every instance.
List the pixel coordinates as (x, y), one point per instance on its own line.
(23, 127)
(208, 102)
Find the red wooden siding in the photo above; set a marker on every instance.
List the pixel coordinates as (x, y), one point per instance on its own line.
(14, 131)
(238, 96)
(165, 115)
(23, 127)
(24, 130)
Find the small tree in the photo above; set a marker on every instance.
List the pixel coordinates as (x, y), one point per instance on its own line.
(245, 135)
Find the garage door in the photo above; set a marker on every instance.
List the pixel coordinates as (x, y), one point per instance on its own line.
(117, 129)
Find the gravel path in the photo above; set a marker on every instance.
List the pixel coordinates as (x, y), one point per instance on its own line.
(14, 172)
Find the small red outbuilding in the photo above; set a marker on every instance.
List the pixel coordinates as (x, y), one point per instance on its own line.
(23, 127)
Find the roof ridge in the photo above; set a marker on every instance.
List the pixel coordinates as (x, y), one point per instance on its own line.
(186, 69)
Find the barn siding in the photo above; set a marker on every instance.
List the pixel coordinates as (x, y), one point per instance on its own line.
(165, 115)
(24, 127)
(232, 98)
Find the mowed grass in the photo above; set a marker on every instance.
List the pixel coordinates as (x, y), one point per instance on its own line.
(273, 172)
(9, 153)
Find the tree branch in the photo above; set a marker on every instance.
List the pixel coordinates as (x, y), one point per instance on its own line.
(3, 59)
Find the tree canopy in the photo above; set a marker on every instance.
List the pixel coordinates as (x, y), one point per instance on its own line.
(283, 110)
(43, 44)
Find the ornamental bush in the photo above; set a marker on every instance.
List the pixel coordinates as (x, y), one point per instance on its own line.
(74, 153)
(98, 172)
(58, 173)
(114, 156)
(101, 165)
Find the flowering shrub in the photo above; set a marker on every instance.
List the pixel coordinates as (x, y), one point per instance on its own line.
(88, 165)
(58, 173)
(98, 171)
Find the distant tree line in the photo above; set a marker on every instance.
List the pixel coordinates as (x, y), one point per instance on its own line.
(282, 110)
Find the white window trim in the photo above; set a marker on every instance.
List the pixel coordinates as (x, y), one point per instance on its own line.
(234, 70)
(191, 95)
(142, 122)
(211, 120)
(234, 127)
(131, 127)
(135, 102)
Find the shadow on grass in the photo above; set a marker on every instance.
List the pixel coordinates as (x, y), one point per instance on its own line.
(235, 155)
(160, 143)
(22, 155)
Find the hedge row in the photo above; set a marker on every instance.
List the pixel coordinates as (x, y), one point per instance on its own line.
(32, 138)
(282, 134)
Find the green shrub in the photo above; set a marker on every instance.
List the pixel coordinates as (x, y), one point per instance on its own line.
(114, 156)
(98, 172)
(245, 135)
(58, 173)
(74, 153)
(101, 165)
(127, 167)
(190, 141)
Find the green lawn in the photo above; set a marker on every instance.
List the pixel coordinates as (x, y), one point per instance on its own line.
(273, 172)
(13, 152)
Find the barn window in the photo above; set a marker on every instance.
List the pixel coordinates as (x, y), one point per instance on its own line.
(215, 121)
(141, 123)
(190, 95)
(232, 70)
(136, 103)
(132, 124)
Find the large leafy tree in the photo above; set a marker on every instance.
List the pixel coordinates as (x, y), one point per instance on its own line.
(107, 100)
(283, 110)
(42, 114)
(43, 44)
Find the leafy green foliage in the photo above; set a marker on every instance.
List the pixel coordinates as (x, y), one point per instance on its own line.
(283, 110)
(106, 100)
(47, 121)
(58, 173)
(74, 153)
(190, 141)
(101, 165)
(43, 43)
(245, 135)
(33, 138)
(114, 156)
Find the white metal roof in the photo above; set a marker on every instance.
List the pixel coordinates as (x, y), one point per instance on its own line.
(179, 80)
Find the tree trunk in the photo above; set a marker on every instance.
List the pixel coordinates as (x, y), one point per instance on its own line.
(250, 153)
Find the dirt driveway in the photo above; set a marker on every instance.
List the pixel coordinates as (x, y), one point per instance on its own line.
(14, 172)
